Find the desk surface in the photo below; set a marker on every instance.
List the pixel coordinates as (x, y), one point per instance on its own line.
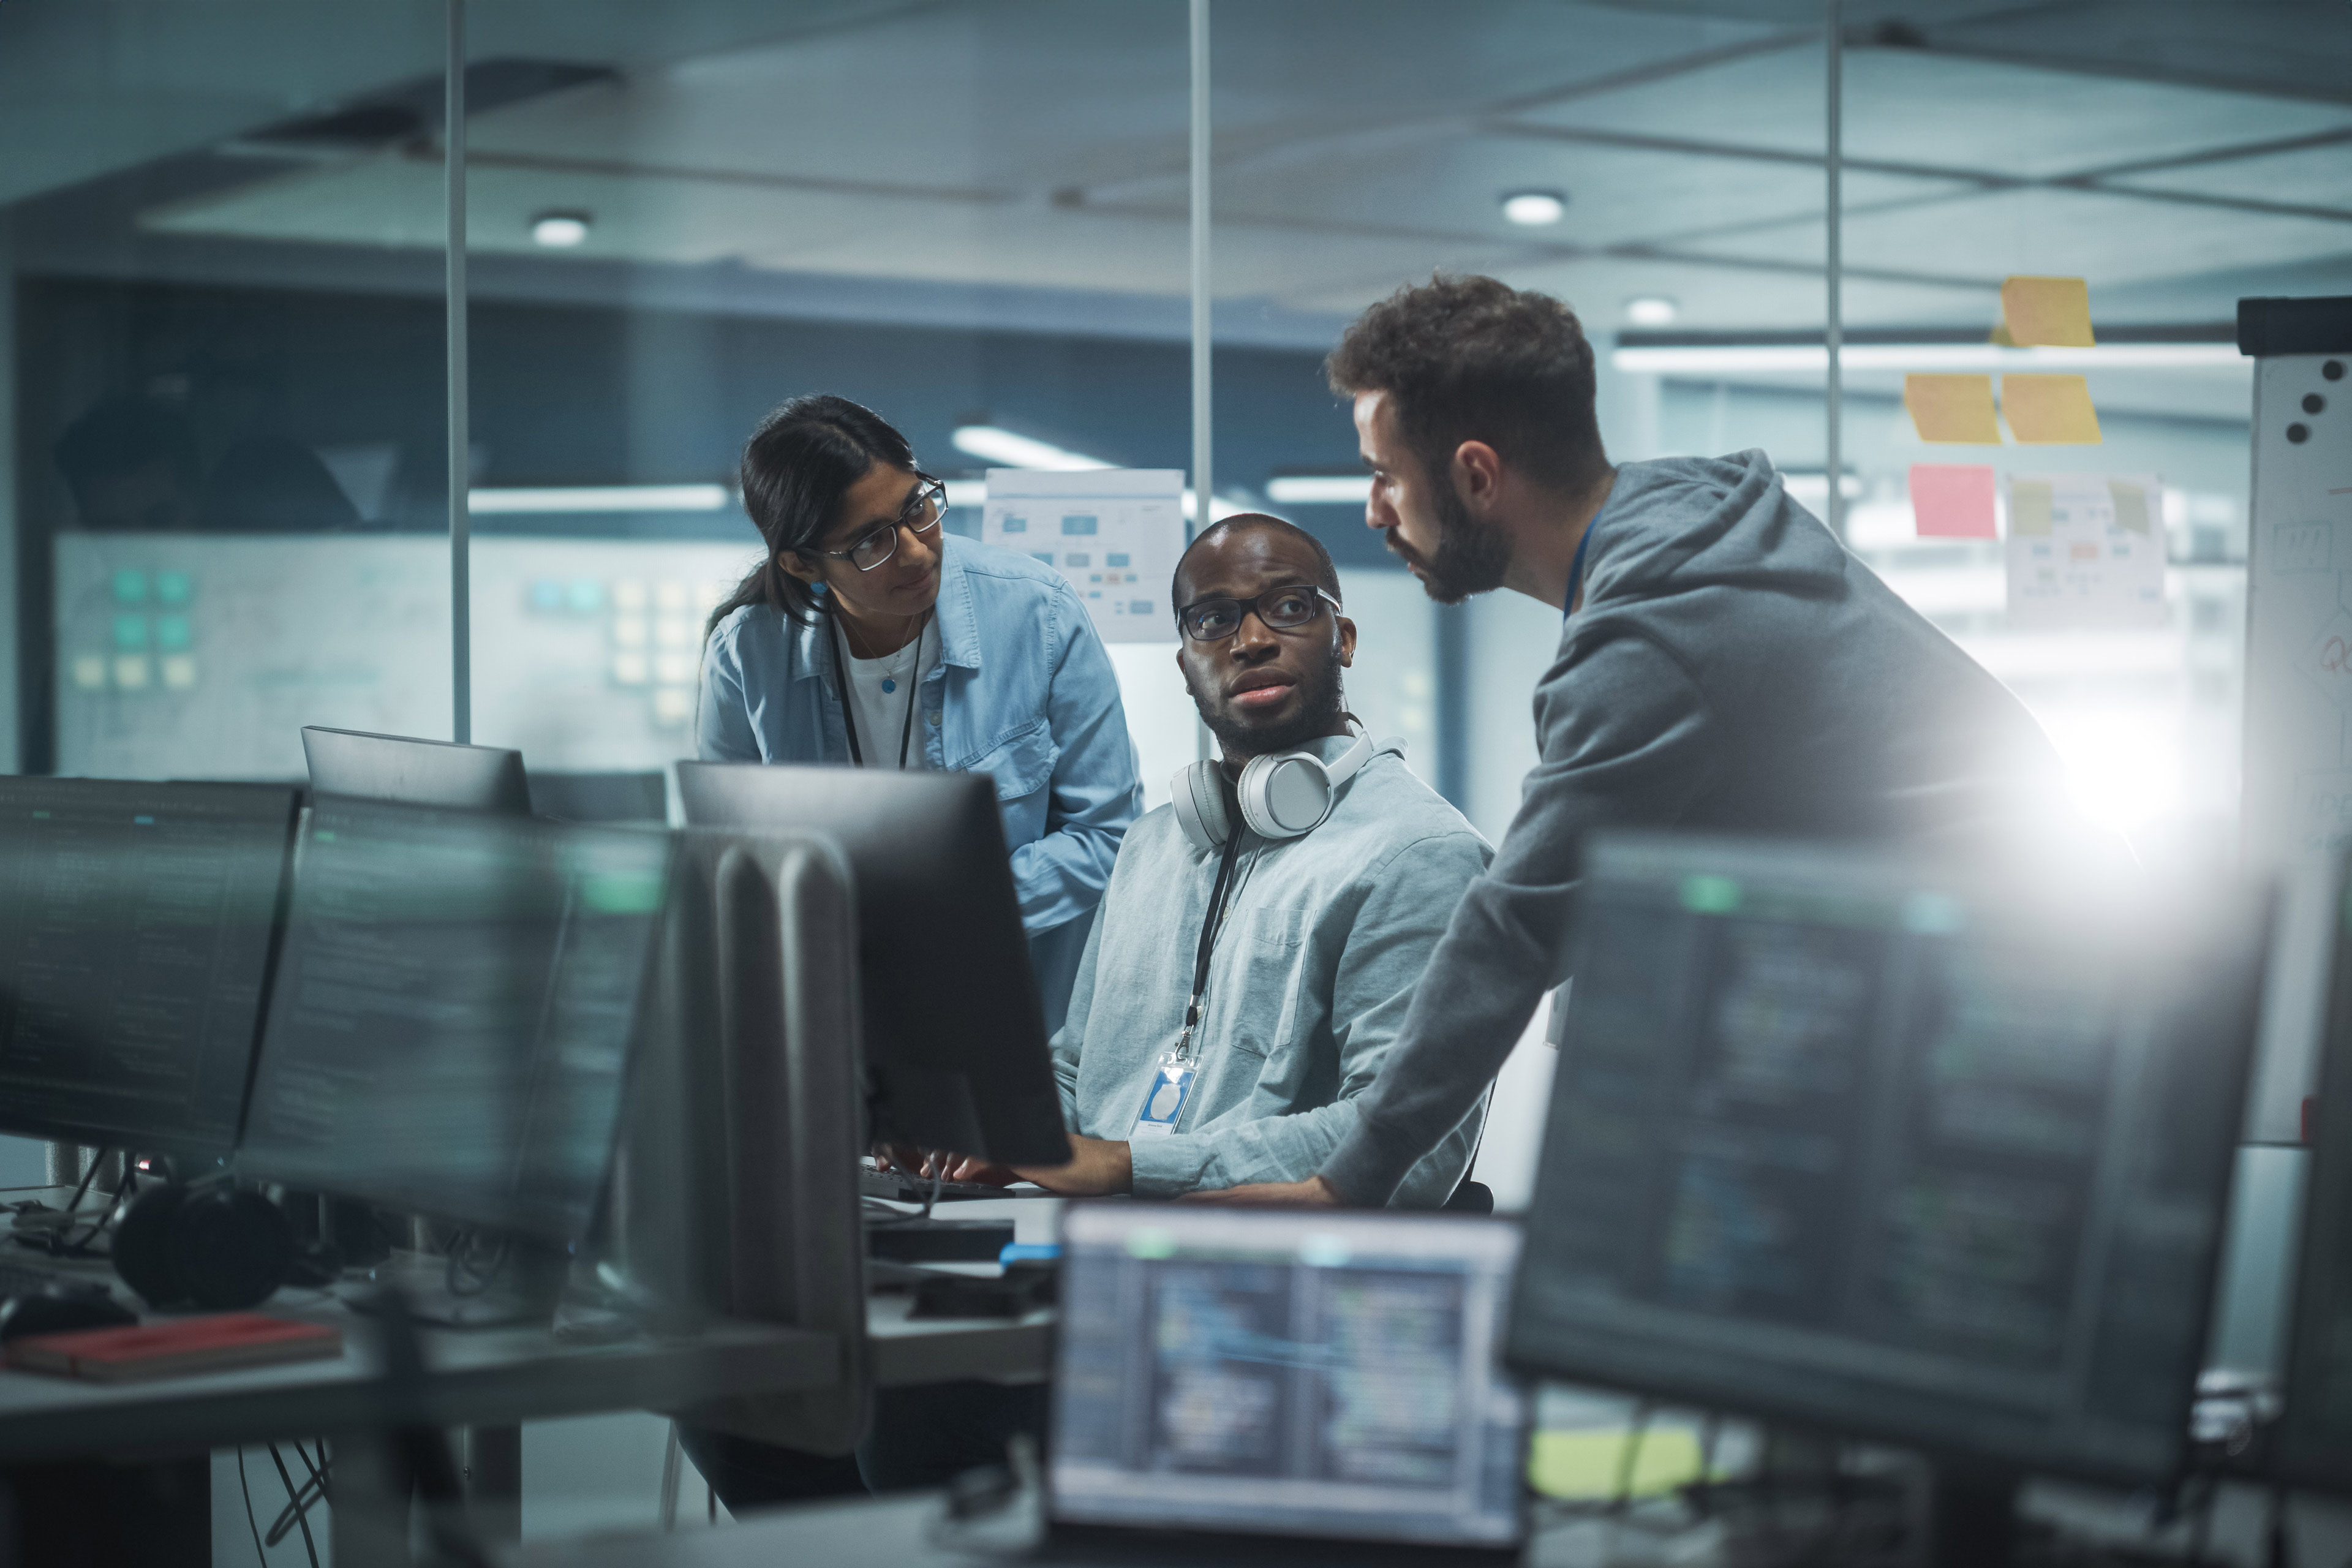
(937, 1350)
(502, 1376)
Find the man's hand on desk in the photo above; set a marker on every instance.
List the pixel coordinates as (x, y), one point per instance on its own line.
(1312, 1192)
(1098, 1165)
(946, 1167)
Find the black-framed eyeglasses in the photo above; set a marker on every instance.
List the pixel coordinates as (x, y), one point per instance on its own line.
(921, 514)
(1215, 620)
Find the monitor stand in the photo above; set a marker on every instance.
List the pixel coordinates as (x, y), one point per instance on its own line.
(1971, 1515)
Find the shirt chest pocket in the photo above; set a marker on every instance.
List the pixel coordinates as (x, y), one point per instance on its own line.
(1022, 766)
(1263, 953)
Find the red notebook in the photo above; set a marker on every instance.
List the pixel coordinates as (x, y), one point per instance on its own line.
(172, 1350)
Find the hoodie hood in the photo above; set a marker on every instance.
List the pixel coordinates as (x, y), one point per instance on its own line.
(1734, 525)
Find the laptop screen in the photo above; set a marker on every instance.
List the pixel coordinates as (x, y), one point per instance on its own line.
(1270, 1372)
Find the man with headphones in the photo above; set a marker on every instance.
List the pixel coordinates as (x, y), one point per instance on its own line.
(1256, 949)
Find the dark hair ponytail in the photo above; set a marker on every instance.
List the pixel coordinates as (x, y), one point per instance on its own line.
(796, 466)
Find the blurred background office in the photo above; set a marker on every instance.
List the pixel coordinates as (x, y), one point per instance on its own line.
(223, 276)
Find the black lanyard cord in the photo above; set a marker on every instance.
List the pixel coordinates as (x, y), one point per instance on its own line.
(849, 708)
(1212, 922)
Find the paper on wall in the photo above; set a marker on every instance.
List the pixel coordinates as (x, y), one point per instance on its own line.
(1115, 534)
(1952, 501)
(2082, 551)
(1952, 408)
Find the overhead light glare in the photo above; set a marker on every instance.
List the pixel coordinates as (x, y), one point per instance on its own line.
(1011, 449)
(1320, 489)
(1220, 507)
(1533, 209)
(600, 497)
(967, 493)
(1719, 359)
(560, 231)
(1651, 311)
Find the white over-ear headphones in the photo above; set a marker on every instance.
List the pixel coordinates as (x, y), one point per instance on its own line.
(1285, 795)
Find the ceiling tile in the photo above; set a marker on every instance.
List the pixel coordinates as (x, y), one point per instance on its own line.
(1914, 107)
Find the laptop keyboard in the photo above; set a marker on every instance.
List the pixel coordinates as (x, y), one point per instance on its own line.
(900, 1188)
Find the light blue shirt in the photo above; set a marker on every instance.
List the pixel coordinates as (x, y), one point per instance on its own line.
(1022, 690)
(1323, 940)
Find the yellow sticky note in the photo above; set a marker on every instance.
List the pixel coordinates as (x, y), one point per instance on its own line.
(2030, 503)
(2131, 505)
(2050, 410)
(1952, 408)
(2055, 312)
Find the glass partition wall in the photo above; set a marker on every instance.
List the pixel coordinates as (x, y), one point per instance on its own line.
(227, 241)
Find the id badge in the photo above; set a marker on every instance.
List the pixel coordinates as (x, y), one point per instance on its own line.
(1165, 1103)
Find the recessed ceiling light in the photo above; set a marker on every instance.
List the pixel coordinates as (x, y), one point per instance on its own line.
(1651, 311)
(560, 231)
(1534, 208)
(1015, 450)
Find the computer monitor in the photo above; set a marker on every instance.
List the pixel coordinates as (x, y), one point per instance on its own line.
(450, 1029)
(954, 1035)
(416, 772)
(600, 797)
(1901, 1151)
(2312, 1444)
(1269, 1372)
(135, 947)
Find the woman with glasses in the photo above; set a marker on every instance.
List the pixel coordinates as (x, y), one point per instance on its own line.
(868, 635)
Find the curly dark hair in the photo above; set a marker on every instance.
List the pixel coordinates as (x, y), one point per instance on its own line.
(1471, 359)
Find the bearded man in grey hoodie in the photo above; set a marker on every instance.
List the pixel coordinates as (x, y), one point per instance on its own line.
(1724, 666)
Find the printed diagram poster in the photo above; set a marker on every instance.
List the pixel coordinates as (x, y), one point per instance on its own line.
(2085, 550)
(1114, 532)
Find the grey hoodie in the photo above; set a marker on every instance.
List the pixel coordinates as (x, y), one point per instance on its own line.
(1731, 669)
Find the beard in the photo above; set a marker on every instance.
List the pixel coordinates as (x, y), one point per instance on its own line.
(1319, 707)
(1472, 556)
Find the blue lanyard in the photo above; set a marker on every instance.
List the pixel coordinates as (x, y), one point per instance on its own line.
(1575, 573)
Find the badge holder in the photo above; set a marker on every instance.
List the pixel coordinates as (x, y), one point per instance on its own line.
(1171, 1085)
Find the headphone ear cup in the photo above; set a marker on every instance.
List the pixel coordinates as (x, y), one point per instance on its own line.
(1285, 795)
(143, 1227)
(1198, 794)
(231, 1249)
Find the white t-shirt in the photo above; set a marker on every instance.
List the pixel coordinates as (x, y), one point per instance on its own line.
(879, 692)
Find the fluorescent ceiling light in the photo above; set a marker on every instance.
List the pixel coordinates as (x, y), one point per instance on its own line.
(1533, 209)
(1699, 359)
(560, 231)
(1224, 507)
(1651, 311)
(1011, 449)
(602, 497)
(1320, 489)
(967, 493)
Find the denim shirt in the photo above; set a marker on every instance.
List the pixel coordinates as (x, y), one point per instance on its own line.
(1323, 941)
(1021, 690)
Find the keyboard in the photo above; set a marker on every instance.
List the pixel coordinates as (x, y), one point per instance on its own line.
(900, 1187)
(16, 1279)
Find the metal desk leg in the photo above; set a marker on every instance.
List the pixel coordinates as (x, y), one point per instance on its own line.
(494, 1482)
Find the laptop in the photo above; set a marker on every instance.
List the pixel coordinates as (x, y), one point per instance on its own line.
(1314, 1383)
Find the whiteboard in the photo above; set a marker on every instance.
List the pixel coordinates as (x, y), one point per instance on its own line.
(183, 656)
(2298, 760)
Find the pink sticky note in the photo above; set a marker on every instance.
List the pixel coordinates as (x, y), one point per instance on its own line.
(1952, 501)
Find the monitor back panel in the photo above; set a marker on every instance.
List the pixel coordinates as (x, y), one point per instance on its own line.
(416, 772)
(451, 1025)
(136, 936)
(1880, 1150)
(1261, 1372)
(954, 1034)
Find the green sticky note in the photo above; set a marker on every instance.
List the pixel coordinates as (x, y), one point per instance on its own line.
(2029, 504)
(1592, 1464)
(174, 587)
(2131, 506)
(130, 587)
(171, 632)
(131, 631)
(1710, 895)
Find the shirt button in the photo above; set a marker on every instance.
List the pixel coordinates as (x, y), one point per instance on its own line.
(935, 716)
